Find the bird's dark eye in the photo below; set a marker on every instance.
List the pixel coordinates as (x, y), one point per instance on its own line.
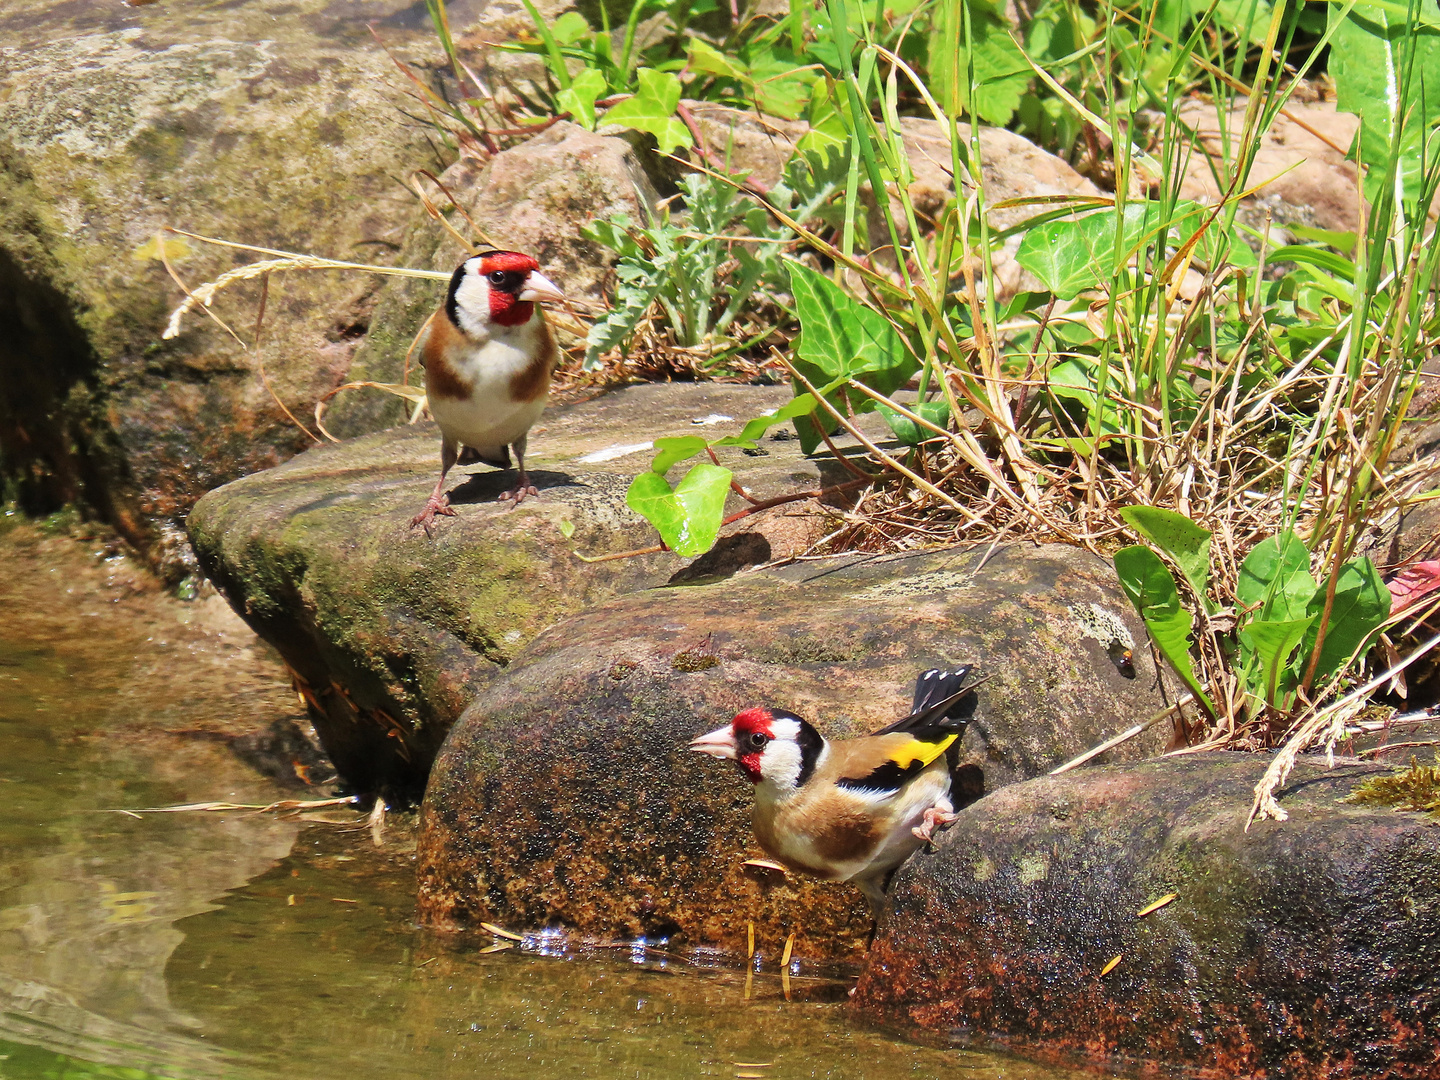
(499, 278)
(758, 739)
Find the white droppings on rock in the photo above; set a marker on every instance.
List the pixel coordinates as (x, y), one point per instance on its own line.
(610, 453)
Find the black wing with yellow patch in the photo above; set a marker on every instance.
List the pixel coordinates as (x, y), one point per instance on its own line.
(941, 709)
(902, 763)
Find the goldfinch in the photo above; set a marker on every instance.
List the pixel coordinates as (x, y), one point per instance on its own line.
(488, 357)
(852, 810)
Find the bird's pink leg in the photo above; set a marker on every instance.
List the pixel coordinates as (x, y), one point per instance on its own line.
(934, 816)
(523, 487)
(439, 503)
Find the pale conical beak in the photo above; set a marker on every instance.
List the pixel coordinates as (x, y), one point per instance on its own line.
(539, 288)
(718, 743)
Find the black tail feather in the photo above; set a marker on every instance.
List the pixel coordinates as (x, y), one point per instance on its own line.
(942, 701)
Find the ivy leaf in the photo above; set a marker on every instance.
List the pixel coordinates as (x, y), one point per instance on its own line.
(676, 448)
(652, 110)
(705, 59)
(1151, 588)
(828, 136)
(687, 518)
(579, 98)
(841, 339)
(570, 28)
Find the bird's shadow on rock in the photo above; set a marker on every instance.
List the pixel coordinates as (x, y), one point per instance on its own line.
(488, 486)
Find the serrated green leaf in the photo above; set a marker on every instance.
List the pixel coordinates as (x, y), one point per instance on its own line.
(1179, 537)
(688, 517)
(1151, 588)
(652, 110)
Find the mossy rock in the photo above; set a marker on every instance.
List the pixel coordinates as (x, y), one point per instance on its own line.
(1301, 949)
(392, 633)
(115, 121)
(565, 795)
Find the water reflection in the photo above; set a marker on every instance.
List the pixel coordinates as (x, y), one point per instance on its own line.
(240, 946)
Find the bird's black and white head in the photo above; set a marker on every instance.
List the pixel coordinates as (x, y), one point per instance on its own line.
(496, 288)
(770, 746)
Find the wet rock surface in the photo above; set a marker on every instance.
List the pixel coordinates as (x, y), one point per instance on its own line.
(565, 795)
(267, 123)
(1305, 948)
(391, 633)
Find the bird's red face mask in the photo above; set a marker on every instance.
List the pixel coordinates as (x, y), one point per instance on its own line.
(514, 283)
(742, 741)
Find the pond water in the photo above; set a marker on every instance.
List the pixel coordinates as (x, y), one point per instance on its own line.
(204, 944)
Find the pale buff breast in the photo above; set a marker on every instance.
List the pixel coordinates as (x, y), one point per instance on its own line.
(472, 386)
(848, 833)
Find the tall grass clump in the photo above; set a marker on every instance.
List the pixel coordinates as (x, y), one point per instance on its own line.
(1221, 412)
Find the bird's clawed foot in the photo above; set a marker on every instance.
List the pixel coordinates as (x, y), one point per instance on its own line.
(437, 506)
(520, 490)
(934, 816)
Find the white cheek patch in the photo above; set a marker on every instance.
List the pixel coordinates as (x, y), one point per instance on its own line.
(472, 304)
(780, 764)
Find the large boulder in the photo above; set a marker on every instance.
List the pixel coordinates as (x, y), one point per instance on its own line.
(565, 795)
(1300, 161)
(390, 633)
(115, 121)
(1298, 949)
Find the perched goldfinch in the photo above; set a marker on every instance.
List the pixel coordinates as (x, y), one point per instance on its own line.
(852, 810)
(488, 357)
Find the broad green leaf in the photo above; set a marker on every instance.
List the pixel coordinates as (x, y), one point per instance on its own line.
(828, 137)
(676, 448)
(1274, 566)
(579, 98)
(1001, 73)
(841, 338)
(800, 405)
(570, 28)
(1076, 379)
(1362, 603)
(1072, 254)
(705, 59)
(652, 110)
(687, 518)
(911, 433)
(1368, 54)
(1272, 643)
(1179, 537)
(1151, 588)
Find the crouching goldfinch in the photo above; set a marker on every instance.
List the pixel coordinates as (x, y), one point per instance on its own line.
(851, 810)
